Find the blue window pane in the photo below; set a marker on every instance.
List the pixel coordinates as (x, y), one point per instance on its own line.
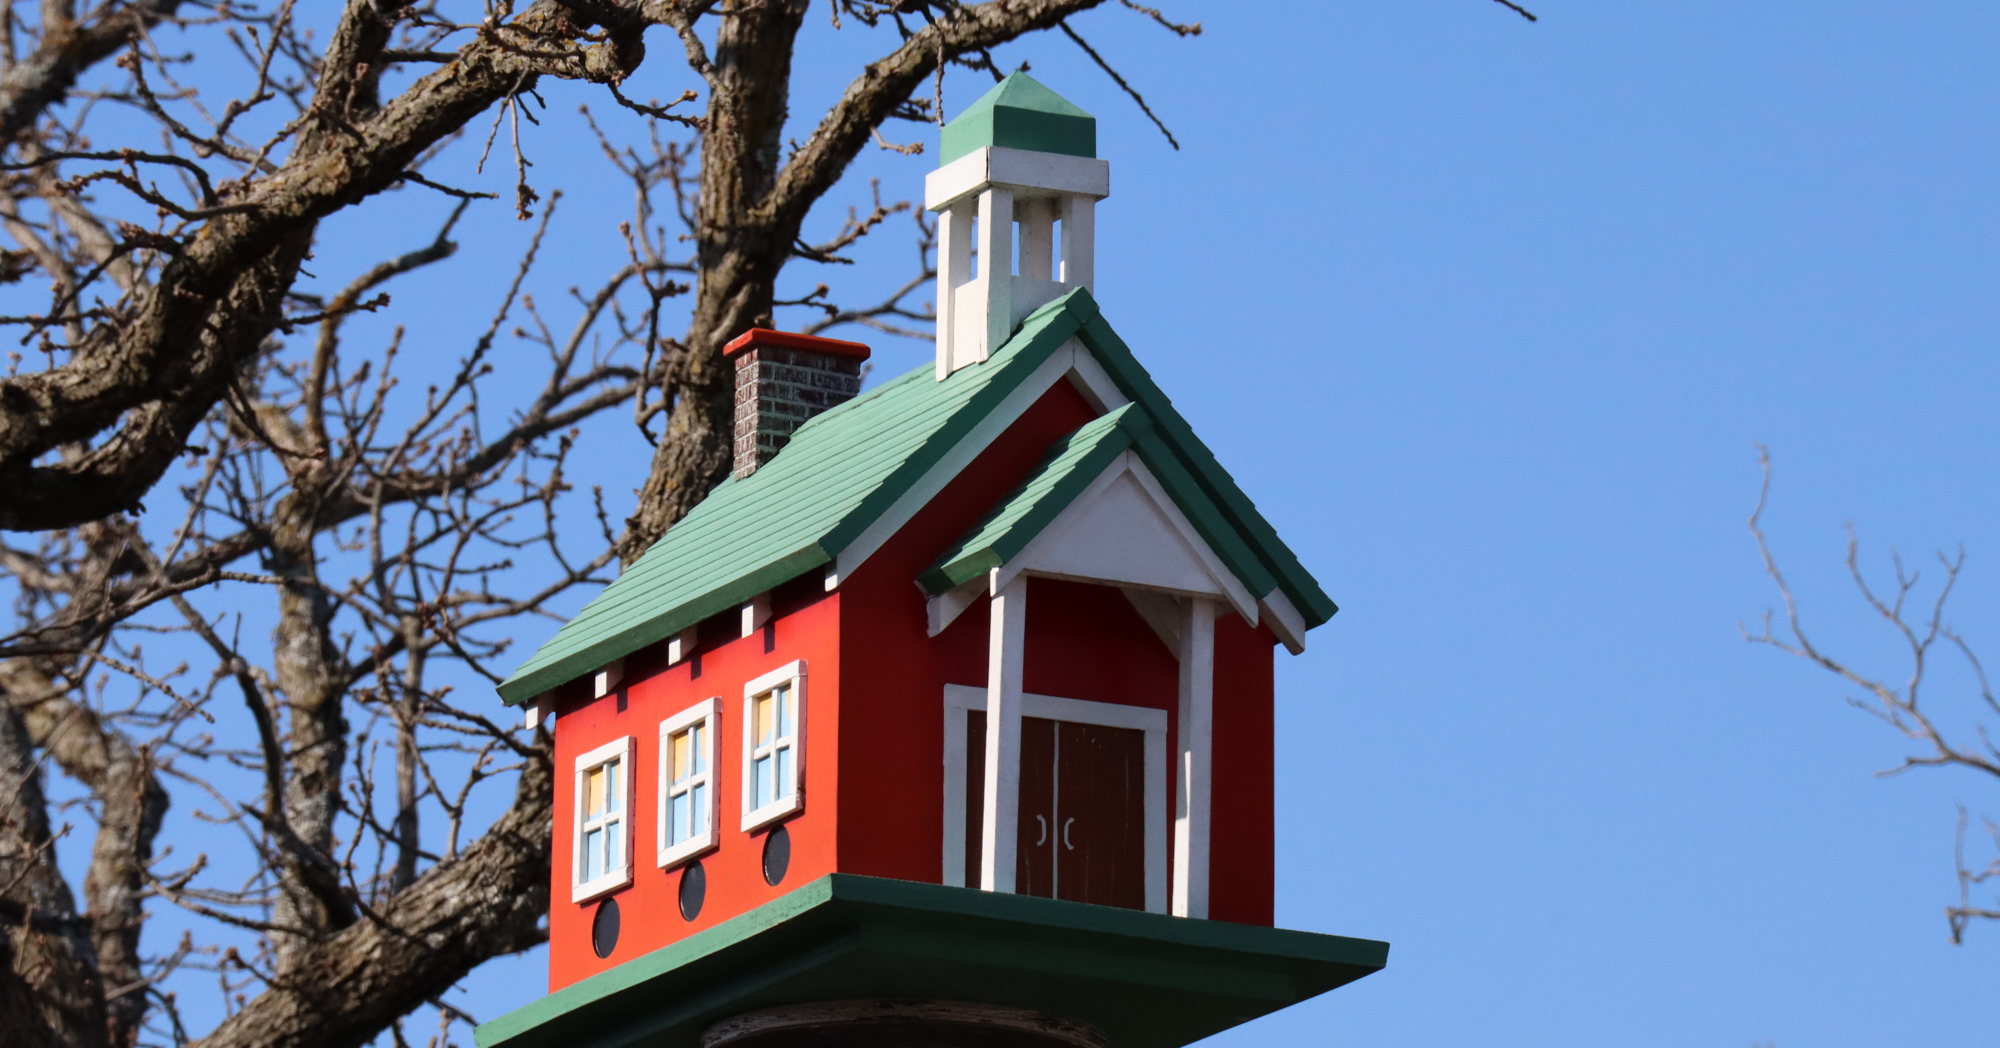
(593, 855)
(615, 842)
(763, 793)
(785, 771)
(783, 697)
(683, 823)
(696, 739)
(700, 795)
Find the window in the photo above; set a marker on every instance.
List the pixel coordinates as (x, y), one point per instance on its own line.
(773, 744)
(603, 841)
(687, 782)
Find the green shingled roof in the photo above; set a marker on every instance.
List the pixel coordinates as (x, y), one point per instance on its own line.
(844, 469)
(1019, 113)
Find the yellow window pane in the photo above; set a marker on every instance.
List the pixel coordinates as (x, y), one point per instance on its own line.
(766, 716)
(594, 784)
(682, 743)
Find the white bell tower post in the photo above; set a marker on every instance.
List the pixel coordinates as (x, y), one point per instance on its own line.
(1019, 158)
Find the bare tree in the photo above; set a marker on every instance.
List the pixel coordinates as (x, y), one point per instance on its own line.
(261, 581)
(1920, 629)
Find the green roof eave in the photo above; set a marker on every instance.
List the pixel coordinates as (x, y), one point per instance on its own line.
(1209, 520)
(1145, 980)
(641, 631)
(1068, 468)
(1291, 577)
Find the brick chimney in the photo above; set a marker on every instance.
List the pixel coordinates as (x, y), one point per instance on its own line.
(783, 380)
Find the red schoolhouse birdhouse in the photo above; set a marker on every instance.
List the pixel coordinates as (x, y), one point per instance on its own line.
(1001, 624)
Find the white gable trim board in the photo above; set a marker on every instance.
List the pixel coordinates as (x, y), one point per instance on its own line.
(1092, 539)
(1071, 360)
(1124, 530)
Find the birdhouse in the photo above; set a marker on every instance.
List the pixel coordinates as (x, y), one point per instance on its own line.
(988, 648)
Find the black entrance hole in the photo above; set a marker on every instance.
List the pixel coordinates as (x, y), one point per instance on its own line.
(604, 928)
(777, 855)
(694, 889)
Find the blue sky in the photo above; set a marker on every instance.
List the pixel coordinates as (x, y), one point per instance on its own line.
(1489, 316)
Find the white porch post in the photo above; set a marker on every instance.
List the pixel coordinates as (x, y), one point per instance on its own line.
(1191, 791)
(1003, 736)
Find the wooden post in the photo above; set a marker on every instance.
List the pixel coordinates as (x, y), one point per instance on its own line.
(996, 274)
(1038, 226)
(954, 271)
(1003, 736)
(1079, 231)
(1191, 792)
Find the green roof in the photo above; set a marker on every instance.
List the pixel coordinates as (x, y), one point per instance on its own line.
(1145, 980)
(846, 468)
(1020, 113)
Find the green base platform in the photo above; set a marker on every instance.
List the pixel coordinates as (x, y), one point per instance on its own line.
(1145, 980)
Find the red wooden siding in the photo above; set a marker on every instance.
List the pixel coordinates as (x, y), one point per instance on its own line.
(892, 816)
(1241, 868)
(872, 773)
(804, 625)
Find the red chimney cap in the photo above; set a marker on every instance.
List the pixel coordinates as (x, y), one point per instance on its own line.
(792, 340)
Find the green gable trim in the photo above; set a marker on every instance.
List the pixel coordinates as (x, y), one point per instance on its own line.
(1019, 113)
(1208, 520)
(1068, 469)
(1297, 583)
(1146, 979)
(1071, 464)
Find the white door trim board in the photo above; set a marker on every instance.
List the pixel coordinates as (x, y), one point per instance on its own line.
(958, 699)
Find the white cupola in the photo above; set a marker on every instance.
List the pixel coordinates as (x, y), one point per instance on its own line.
(1020, 156)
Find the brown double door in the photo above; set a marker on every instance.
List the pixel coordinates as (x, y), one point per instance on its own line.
(1082, 828)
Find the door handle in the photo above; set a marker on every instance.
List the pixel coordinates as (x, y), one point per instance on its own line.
(1044, 825)
(1066, 826)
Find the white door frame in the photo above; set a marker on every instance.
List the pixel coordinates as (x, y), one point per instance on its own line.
(959, 698)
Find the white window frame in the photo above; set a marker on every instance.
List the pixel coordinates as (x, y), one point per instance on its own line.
(707, 713)
(620, 876)
(794, 675)
(959, 698)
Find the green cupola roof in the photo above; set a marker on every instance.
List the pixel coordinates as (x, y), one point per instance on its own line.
(1020, 113)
